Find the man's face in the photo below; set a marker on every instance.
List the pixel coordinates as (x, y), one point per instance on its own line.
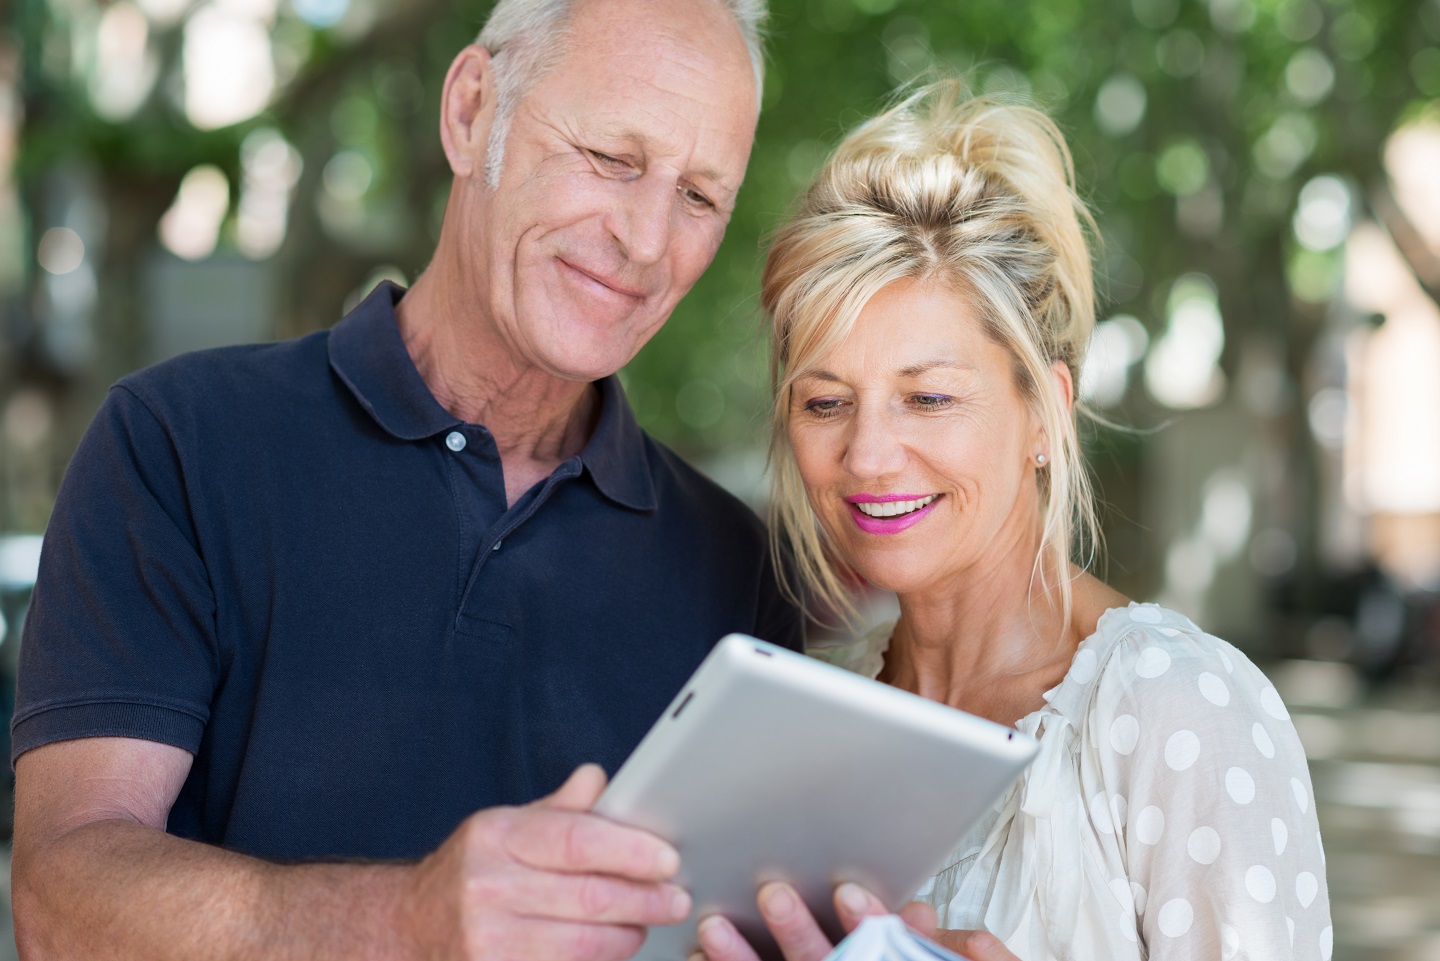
(620, 174)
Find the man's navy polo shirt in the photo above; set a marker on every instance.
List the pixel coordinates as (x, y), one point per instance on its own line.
(292, 562)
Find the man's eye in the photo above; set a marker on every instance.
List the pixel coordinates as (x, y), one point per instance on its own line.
(605, 159)
(694, 197)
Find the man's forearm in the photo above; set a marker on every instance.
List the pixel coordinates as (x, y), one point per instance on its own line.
(114, 889)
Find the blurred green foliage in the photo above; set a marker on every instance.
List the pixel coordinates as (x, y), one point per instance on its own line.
(1194, 125)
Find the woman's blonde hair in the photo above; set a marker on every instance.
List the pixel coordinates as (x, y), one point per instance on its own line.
(978, 196)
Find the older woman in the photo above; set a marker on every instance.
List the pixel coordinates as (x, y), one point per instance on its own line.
(932, 300)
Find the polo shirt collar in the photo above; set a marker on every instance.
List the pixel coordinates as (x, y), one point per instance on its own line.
(615, 455)
(369, 356)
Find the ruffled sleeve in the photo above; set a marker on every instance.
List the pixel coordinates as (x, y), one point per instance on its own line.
(1198, 758)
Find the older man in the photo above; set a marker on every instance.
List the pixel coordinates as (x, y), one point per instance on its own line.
(321, 601)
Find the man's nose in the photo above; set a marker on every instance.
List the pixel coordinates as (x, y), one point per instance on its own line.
(874, 447)
(641, 220)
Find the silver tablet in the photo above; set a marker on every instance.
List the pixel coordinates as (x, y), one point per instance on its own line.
(770, 765)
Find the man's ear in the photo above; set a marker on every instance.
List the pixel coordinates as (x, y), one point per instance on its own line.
(467, 110)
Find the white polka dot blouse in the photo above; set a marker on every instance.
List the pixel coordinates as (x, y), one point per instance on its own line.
(1168, 815)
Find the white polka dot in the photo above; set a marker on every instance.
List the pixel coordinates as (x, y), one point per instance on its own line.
(1290, 926)
(1124, 733)
(1152, 662)
(1229, 942)
(1145, 615)
(1150, 825)
(1176, 917)
(1214, 689)
(1204, 845)
(1279, 834)
(1127, 928)
(1321, 848)
(1168, 631)
(1137, 892)
(1327, 943)
(1120, 887)
(1302, 797)
(1229, 666)
(1100, 814)
(1262, 740)
(1270, 701)
(1306, 887)
(1082, 669)
(1260, 883)
(1240, 785)
(1181, 750)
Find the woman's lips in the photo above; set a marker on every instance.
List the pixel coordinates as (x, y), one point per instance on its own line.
(894, 523)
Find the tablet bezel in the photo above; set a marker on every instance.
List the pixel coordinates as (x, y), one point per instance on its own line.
(763, 744)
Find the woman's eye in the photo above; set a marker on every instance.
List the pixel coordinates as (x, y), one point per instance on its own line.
(931, 401)
(822, 406)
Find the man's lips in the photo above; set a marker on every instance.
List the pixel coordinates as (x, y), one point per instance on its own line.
(609, 283)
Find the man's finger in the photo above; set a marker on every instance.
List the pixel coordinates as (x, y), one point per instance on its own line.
(546, 940)
(580, 791)
(575, 842)
(594, 898)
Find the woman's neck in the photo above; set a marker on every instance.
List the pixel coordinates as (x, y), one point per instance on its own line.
(994, 646)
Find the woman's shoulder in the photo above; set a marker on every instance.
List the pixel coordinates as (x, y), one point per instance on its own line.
(863, 654)
(1158, 662)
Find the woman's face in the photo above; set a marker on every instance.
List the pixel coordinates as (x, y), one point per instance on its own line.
(914, 444)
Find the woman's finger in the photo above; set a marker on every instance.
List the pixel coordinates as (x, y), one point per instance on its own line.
(975, 945)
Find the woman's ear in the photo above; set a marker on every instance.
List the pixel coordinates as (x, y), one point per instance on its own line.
(467, 110)
(1063, 384)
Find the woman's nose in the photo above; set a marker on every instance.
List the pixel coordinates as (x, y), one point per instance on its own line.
(874, 447)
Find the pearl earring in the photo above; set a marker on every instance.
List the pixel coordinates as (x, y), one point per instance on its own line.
(1041, 459)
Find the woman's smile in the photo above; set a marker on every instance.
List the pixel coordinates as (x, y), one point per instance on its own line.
(889, 513)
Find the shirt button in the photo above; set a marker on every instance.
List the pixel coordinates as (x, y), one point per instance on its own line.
(455, 441)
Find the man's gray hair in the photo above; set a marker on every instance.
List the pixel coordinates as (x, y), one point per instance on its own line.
(525, 37)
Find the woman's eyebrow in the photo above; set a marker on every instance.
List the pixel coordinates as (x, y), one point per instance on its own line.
(915, 370)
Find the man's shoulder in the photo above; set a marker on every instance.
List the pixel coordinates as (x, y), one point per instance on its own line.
(235, 380)
(680, 484)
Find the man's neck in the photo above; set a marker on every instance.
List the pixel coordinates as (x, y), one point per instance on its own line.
(537, 420)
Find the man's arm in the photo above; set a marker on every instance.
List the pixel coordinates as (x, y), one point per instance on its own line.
(95, 876)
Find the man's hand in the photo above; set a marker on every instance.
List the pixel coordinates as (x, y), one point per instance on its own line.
(801, 939)
(548, 881)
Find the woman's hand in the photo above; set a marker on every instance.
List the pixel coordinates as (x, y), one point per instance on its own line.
(975, 945)
(800, 938)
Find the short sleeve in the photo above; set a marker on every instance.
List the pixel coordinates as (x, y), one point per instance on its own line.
(1221, 840)
(120, 636)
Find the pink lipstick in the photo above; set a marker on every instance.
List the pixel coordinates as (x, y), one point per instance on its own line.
(889, 513)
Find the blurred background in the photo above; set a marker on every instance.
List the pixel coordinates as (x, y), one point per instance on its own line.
(178, 174)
